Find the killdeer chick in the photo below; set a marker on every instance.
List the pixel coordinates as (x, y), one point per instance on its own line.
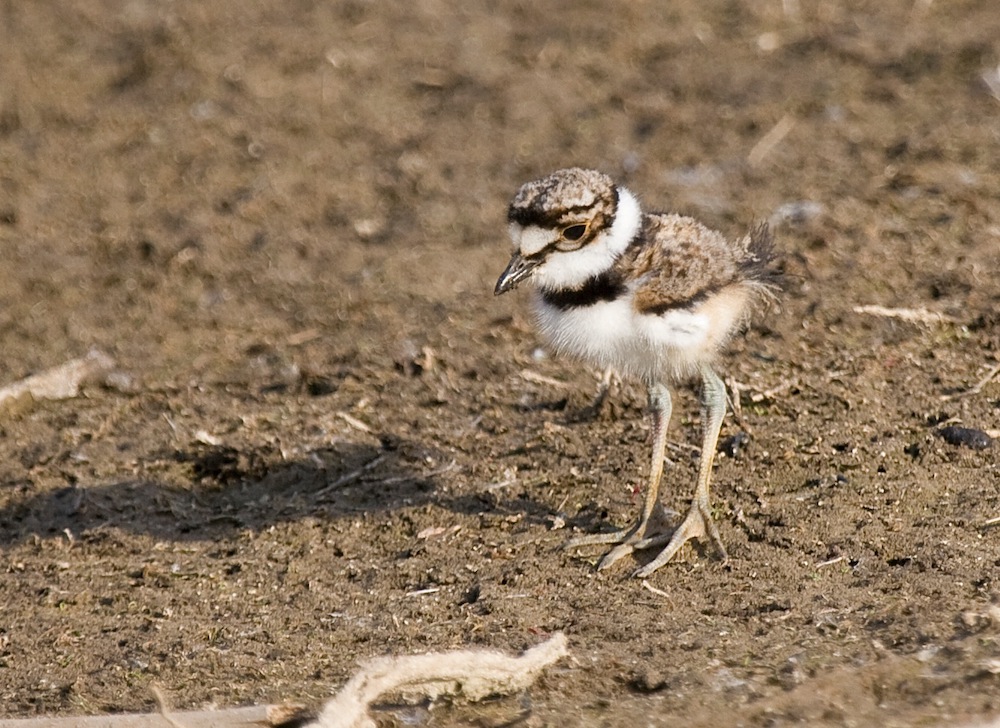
(653, 296)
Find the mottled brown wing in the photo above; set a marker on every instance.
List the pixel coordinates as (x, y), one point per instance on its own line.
(681, 263)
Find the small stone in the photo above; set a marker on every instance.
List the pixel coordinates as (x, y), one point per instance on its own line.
(648, 680)
(965, 437)
(732, 445)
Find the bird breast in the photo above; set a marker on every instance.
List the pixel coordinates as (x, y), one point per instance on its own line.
(650, 347)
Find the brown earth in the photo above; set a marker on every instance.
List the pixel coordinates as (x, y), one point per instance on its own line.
(328, 440)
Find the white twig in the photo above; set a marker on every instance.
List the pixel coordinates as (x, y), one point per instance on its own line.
(657, 592)
(61, 382)
(475, 674)
(354, 422)
(770, 140)
(913, 315)
(536, 378)
(422, 592)
(829, 562)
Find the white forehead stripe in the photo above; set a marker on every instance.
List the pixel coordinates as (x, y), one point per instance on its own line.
(514, 231)
(531, 239)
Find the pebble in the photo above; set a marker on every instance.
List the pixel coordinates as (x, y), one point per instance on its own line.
(965, 437)
(732, 445)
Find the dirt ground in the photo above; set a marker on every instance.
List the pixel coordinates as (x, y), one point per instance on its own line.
(327, 440)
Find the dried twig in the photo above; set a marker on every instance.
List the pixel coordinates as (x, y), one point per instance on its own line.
(354, 422)
(658, 592)
(829, 562)
(253, 716)
(773, 392)
(770, 140)
(978, 387)
(509, 478)
(164, 706)
(536, 378)
(683, 448)
(429, 474)
(61, 382)
(913, 315)
(351, 476)
(422, 592)
(991, 522)
(474, 674)
(303, 337)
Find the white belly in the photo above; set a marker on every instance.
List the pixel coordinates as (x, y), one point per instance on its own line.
(612, 334)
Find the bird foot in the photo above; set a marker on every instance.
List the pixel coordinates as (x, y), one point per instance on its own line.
(654, 531)
(697, 524)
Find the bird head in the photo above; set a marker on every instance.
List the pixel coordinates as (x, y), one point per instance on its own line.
(567, 228)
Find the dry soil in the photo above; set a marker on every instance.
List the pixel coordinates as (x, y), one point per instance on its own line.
(327, 440)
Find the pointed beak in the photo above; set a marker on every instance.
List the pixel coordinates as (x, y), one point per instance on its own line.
(516, 271)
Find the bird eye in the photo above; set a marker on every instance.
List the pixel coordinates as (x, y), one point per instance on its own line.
(574, 232)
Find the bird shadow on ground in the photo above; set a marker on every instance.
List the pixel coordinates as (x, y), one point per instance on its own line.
(225, 491)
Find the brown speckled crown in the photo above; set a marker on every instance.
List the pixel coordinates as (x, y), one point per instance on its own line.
(564, 198)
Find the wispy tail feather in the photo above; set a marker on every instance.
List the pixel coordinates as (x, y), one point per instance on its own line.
(759, 263)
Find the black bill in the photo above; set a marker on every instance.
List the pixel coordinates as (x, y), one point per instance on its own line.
(516, 271)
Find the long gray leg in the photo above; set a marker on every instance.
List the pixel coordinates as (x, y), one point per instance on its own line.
(698, 522)
(648, 530)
